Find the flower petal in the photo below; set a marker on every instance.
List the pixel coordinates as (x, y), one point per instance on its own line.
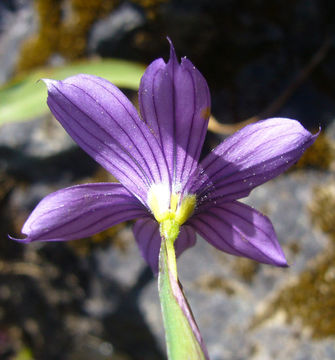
(250, 157)
(81, 211)
(185, 240)
(106, 125)
(146, 232)
(175, 103)
(239, 230)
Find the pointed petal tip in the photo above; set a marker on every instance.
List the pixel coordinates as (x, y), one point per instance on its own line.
(51, 84)
(48, 82)
(26, 240)
(171, 43)
(314, 136)
(173, 56)
(253, 155)
(279, 260)
(310, 138)
(80, 211)
(238, 229)
(286, 265)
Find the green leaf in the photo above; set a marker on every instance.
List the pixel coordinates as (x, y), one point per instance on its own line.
(25, 98)
(183, 338)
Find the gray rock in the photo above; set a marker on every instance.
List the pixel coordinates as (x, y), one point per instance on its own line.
(109, 32)
(15, 26)
(41, 137)
(330, 131)
(41, 150)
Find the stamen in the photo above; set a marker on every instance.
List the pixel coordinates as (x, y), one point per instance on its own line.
(185, 209)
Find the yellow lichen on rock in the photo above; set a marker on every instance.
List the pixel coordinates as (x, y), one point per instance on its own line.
(311, 297)
(320, 155)
(63, 28)
(65, 35)
(322, 208)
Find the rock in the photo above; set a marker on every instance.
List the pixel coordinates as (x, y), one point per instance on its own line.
(108, 34)
(41, 149)
(17, 23)
(330, 131)
(119, 278)
(42, 137)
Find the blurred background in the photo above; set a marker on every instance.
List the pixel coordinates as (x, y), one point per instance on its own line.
(96, 298)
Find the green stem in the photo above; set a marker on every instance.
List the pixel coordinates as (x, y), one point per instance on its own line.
(183, 338)
(171, 258)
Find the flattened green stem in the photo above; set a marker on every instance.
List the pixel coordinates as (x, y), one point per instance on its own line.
(183, 338)
(169, 229)
(171, 259)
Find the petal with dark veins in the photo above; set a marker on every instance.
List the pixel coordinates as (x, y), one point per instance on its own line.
(105, 124)
(175, 103)
(238, 229)
(80, 211)
(250, 157)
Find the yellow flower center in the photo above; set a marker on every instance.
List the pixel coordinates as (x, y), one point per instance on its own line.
(170, 210)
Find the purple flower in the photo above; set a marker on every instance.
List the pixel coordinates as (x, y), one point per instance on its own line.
(155, 158)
